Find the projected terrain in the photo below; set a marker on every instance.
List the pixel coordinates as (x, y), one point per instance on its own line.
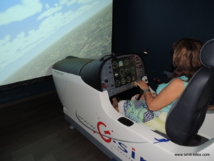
(90, 38)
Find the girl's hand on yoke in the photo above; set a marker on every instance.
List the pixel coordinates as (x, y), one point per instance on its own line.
(142, 84)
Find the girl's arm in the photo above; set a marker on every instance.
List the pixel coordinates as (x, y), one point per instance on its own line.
(169, 94)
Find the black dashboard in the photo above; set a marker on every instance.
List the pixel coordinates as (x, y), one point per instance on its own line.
(112, 74)
(118, 75)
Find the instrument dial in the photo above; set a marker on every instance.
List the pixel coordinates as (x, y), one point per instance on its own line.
(117, 83)
(122, 72)
(128, 79)
(127, 70)
(123, 81)
(114, 65)
(126, 62)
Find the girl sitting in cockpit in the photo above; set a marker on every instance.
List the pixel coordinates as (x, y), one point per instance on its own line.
(152, 110)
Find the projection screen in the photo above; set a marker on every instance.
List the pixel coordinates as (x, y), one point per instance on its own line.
(34, 34)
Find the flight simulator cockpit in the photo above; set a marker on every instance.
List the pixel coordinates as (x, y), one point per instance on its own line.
(84, 87)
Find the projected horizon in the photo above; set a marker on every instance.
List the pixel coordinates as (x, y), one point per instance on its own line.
(37, 33)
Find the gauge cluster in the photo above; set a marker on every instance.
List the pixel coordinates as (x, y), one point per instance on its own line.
(118, 74)
(124, 71)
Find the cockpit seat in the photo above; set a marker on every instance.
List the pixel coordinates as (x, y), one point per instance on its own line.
(188, 113)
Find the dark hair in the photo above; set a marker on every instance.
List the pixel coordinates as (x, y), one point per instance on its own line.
(186, 57)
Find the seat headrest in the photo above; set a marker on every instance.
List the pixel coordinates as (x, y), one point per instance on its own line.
(207, 54)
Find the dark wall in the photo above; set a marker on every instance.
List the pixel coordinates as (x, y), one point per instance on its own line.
(141, 24)
(21, 90)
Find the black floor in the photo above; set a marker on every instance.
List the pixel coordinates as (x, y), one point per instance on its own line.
(35, 130)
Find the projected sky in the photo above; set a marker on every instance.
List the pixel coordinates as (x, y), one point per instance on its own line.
(28, 27)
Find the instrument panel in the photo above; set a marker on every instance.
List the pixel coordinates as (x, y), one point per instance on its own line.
(118, 74)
